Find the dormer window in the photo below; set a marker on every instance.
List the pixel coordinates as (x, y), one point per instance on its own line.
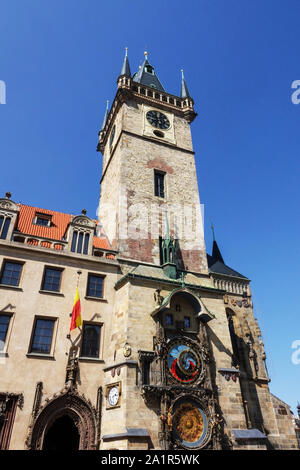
(44, 220)
(149, 69)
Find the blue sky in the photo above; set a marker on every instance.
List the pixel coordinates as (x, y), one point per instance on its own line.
(60, 61)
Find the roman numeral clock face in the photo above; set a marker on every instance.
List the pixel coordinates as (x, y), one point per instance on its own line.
(158, 120)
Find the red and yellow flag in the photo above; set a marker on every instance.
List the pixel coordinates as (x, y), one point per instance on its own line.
(76, 312)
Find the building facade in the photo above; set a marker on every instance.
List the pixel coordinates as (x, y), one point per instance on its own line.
(169, 354)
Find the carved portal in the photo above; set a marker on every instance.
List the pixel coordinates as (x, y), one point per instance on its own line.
(78, 408)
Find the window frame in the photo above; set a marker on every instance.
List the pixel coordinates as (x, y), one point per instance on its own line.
(162, 174)
(54, 268)
(53, 337)
(7, 260)
(87, 296)
(5, 225)
(40, 215)
(8, 332)
(100, 344)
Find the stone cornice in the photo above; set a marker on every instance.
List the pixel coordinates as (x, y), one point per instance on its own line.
(131, 276)
(58, 255)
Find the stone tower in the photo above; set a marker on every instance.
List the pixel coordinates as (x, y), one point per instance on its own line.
(149, 169)
(185, 367)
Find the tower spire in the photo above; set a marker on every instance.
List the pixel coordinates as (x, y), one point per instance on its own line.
(146, 75)
(105, 116)
(184, 89)
(125, 67)
(216, 253)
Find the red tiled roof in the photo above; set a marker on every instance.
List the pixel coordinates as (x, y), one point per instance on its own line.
(101, 243)
(58, 228)
(59, 223)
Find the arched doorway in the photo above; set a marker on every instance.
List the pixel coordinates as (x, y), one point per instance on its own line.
(68, 422)
(62, 435)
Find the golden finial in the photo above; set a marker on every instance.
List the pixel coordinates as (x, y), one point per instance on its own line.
(146, 54)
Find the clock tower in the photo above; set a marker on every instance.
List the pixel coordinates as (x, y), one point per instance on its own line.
(185, 364)
(149, 172)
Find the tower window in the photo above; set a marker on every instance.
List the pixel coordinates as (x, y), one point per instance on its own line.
(149, 69)
(169, 319)
(187, 322)
(159, 183)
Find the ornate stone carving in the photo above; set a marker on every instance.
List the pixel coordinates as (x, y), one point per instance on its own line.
(68, 402)
(83, 221)
(9, 205)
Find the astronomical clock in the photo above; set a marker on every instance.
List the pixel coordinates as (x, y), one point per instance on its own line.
(176, 379)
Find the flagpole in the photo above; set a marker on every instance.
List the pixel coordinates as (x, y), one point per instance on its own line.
(79, 274)
(77, 284)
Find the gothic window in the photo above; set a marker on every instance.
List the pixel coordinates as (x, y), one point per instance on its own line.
(95, 286)
(187, 322)
(11, 273)
(159, 183)
(52, 279)
(4, 226)
(233, 337)
(169, 319)
(42, 336)
(4, 324)
(80, 242)
(90, 340)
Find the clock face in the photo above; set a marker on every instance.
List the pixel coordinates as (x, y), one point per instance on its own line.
(158, 120)
(113, 396)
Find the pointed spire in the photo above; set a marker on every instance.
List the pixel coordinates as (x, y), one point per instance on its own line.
(105, 116)
(213, 231)
(184, 89)
(126, 68)
(216, 253)
(147, 76)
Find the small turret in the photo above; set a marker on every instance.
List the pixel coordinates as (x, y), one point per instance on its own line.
(105, 116)
(125, 67)
(184, 89)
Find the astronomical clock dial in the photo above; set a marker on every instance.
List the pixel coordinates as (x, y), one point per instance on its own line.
(184, 362)
(158, 120)
(189, 424)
